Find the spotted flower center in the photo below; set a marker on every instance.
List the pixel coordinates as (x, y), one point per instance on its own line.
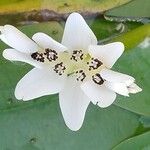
(78, 64)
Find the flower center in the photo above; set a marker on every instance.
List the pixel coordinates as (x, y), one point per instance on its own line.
(78, 64)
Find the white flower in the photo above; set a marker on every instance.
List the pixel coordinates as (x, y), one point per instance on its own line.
(78, 69)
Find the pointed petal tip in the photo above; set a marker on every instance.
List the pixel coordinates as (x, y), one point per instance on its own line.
(114, 76)
(2, 27)
(122, 46)
(102, 106)
(83, 35)
(73, 128)
(7, 54)
(119, 46)
(18, 40)
(127, 95)
(8, 26)
(20, 96)
(105, 105)
(4, 54)
(45, 41)
(134, 88)
(103, 52)
(75, 14)
(140, 89)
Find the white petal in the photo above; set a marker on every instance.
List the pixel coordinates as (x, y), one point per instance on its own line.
(18, 40)
(2, 37)
(37, 83)
(77, 34)
(108, 53)
(46, 41)
(133, 88)
(73, 104)
(98, 93)
(113, 76)
(14, 55)
(119, 88)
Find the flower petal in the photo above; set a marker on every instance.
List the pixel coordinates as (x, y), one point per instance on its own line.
(2, 37)
(77, 34)
(133, 88)
(108, 53)
(18, 40)
(119, 88)
(73, 104)
(113, 76)
(14, 55)
(37, 83)
(98, 94)
(46, 41)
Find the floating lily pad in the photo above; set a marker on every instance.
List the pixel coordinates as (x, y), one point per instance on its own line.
(7, 6)
(134, 9)
(41, 126)
(140, 142)
(104, 29)
(132, 38)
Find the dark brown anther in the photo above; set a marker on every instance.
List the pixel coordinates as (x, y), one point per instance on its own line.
(51, 54)
(77, 55)
(94, 64)
(97, 79)
(81, 75)
(38, 56)
(59, 68)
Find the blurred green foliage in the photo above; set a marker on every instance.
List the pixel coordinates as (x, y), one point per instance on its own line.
(59, 5)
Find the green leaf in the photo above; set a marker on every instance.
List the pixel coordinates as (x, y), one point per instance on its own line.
(41, 126)
(140, 142)
(136, 8)
(60, 6)
(132, 38)
(38, 124)
(104, 29)
(145, 121)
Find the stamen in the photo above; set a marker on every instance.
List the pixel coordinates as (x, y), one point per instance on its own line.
(77, 55)
(94, 64)
(38, 56)
(80, 75)
(51, 54)
(97, 79)
(59, 68)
